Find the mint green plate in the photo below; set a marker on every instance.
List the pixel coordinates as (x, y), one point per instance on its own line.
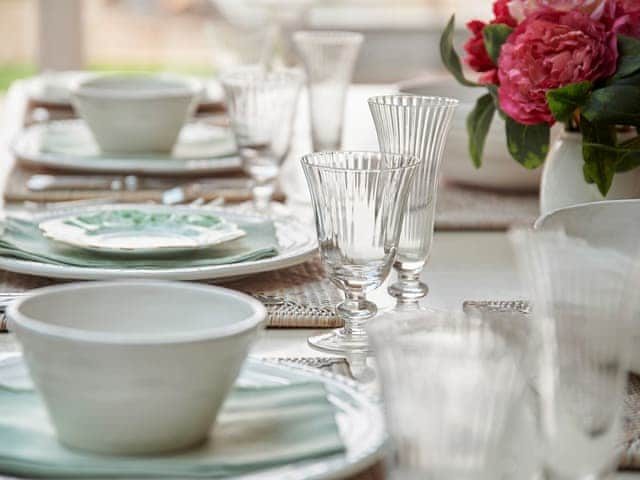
(358, 414)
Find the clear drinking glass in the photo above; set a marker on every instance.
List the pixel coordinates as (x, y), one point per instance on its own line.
(417, 126)
(329, 58)
(358, 199)
(450, 386)
(262, 106)
(584, 298)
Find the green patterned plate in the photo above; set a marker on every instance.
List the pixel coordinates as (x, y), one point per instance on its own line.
(141, 231)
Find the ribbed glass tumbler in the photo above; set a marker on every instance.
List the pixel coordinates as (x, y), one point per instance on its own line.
(359, 199)
(329, 58)
(414, 125)
(451, 384)
(585, 302)
(262, 106)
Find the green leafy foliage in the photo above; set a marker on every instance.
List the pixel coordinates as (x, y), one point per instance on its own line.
(450, 58)
(478, 123)
(564, 101)
(494, 36)
(628, 56)
(600, 160)
(614, 105)
(528, 144)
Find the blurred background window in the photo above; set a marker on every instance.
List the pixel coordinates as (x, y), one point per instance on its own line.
(205, 36)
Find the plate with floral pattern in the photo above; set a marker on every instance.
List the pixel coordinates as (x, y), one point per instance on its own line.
(139, 231)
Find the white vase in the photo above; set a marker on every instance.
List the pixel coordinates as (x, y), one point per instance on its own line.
(563, 182)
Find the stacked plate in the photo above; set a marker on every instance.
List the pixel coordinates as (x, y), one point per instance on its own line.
(151, 241)
(201, 148)
(139, 124)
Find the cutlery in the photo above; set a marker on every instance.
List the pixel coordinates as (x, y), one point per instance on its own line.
(517, 306)
(43, 183)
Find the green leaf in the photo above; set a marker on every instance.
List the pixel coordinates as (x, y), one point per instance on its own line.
(624, 159)
(478, 123)
(628, 56)
(494, 36)
(564, 101)
(615, 105)
(528, 144)
(633, 80)
(600, 162)
(449, 56)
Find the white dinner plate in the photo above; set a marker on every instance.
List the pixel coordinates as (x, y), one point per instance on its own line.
(69, 145)
(358, 414)
(297, 243)
(141, 231)
(53, 88)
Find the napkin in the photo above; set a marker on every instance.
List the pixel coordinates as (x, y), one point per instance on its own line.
(258, 427)
(22, 239)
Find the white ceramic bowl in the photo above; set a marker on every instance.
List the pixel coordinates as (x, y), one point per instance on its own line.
(136, 113)
(134, 367)
(499, 171)
(613, 224)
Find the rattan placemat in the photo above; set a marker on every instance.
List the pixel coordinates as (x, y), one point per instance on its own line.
(466, 208)
(16, 189)
(295, 297)
(299, 296)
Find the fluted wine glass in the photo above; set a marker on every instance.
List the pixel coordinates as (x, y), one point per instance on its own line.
(584, 301)
(262, 106)
(414, 125)
(451, 384)
(358, 200)
(329, 58)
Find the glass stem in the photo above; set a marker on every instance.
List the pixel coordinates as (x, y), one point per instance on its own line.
(262, 194)
(355, 311)
(408, 289)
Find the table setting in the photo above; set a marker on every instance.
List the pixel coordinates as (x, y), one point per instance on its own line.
(278, 274)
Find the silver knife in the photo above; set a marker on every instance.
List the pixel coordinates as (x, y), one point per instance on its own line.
(43, 183)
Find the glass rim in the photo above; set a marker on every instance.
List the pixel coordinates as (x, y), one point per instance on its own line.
(432, 100)
(329, 36)
(412, 160)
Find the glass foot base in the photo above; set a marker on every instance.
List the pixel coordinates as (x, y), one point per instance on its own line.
(408, 291)
(412, 307)
(340, 341)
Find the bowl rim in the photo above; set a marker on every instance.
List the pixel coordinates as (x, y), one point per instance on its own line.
(88, 88)
(16, 318)
(542, 219)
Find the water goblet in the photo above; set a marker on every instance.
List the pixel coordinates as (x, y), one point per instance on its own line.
(584, 298)
(262, 106)
(358, 200)
(329, 58)
(417, 126)
(451, 383)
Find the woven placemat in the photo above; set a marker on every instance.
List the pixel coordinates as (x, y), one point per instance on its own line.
(197, 188)
(299, 296)
(466, 208)
(630, 443)
(295, 297)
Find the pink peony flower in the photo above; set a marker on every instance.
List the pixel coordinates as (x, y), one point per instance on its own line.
(520, 9)
(551, 49)
(476, 53)
(502, 14)
(626, 17)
